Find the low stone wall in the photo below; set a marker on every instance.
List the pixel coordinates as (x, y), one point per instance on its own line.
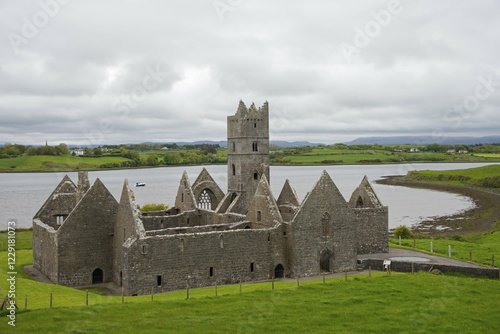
(425, 266)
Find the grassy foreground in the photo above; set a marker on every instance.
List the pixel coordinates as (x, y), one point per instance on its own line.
(411, 303)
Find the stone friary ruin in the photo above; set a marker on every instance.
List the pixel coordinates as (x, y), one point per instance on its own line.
(82, 235)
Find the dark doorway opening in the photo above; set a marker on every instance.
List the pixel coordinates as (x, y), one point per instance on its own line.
(97, 276)
(279, 271)
(325, 260)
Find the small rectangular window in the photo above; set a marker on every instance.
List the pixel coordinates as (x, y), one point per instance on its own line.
(158, 280)
(211, 271)
(251, 267)
(259, 216)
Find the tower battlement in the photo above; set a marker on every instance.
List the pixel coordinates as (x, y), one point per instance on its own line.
(248, 150)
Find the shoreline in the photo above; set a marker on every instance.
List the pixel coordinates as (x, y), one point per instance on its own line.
(482, 217)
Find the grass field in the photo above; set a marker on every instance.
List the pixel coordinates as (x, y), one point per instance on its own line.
(329, 155)
(28, 163)
(488, 155)
(412, 303)
(482, 246)
(486, 176)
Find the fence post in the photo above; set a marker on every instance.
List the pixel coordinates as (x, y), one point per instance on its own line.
(152, 294)
(470, 255)
(449, 250)
(187, 289)
(215, 288)
(323, 278)
(123, 295)
(86, 297)
(414, 243)
(26, 302)
(431, 247)
(240, 284)
(298, 284)
(492, 260)
(50, 300)
(412, 268)
(369, 271)
(400, 240)
(345, 274)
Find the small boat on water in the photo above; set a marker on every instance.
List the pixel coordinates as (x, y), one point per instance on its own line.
(140, 184)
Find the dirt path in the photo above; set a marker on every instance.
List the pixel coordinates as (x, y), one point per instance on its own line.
(483, 217)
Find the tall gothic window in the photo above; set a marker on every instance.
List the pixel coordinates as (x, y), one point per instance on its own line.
(204, 200)
(255, 147)
(325, 223)
(234, 169)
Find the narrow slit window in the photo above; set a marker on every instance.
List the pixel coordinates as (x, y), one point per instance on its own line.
(211, 271)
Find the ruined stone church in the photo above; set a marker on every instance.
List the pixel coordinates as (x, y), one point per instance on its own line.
(82, 235)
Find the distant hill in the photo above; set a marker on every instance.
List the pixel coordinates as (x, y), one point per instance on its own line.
(424, 140)
(223, 143)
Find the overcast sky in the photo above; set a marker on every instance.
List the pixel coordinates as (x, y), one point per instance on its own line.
(129, 71)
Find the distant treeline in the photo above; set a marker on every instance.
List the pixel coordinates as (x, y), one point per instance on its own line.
(14, 150)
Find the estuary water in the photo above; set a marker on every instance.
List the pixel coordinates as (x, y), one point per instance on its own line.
(21, 195)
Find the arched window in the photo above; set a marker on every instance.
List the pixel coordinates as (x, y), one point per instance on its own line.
(255, 176)
(360, 203)
(325, 223)
(205, 200)
(255, 148)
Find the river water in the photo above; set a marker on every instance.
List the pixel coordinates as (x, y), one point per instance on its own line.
(21, 195)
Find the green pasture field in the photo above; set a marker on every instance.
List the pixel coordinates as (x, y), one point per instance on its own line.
(376, 303)
(486, 176)
(329, 155)
(488, 155)
(48, 163)
(484, 247)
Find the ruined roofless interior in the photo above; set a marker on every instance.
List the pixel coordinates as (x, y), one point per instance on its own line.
(82, 235)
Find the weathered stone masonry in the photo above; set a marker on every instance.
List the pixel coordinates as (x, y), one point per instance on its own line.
(82, 235)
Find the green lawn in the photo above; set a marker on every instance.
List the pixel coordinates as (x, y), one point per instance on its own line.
(483, 247)
(411, 303)
(486, 176)
(400, 303)
(330, 155)
(28, 163)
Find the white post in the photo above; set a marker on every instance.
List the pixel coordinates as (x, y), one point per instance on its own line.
(449, 250)
(431, 248)
(400, 240)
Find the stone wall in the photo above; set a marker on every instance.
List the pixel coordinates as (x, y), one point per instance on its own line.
(372, 230)
(323, 232)
(205, 258)
(85, 240)
(45, 249)
(375, 264)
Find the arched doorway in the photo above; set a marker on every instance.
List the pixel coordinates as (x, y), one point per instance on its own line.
(97, 276)
(279, 271)
(325, 260)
